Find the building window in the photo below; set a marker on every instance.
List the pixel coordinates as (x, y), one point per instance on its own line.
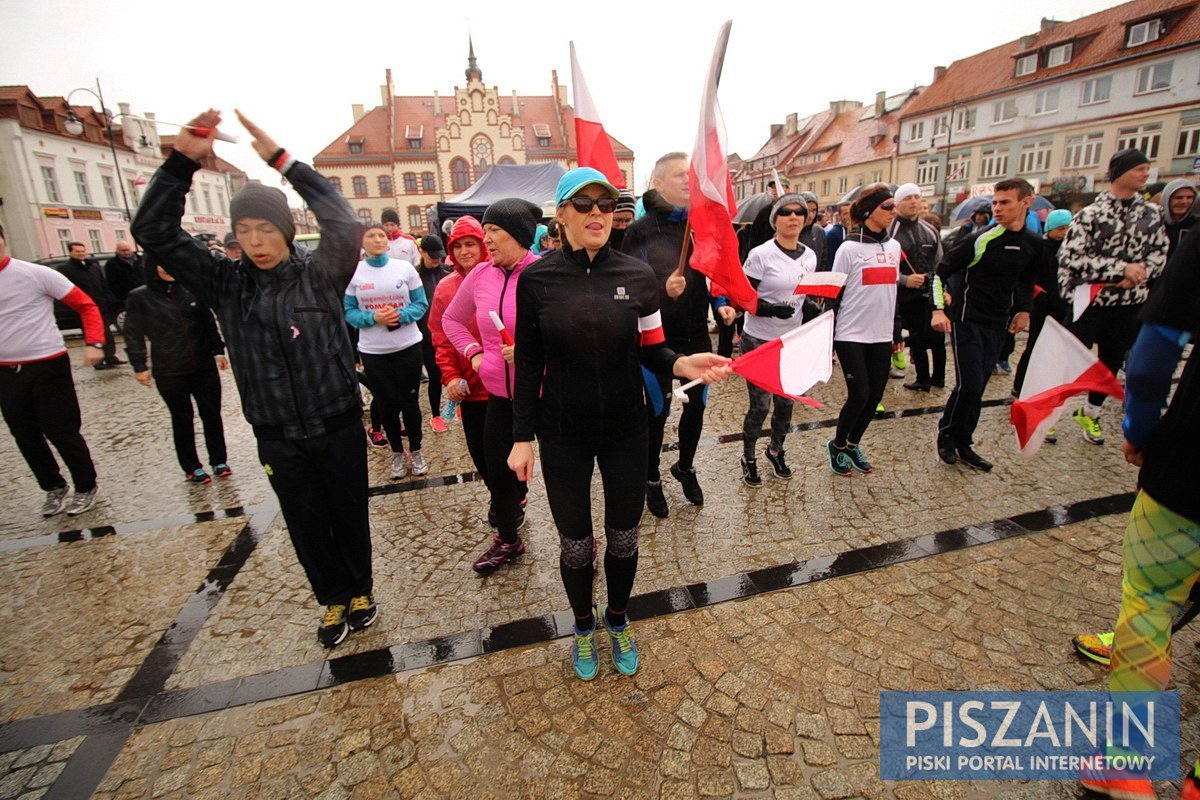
(1143, 32)
(1004, 111)
(1083, 150)
(1046, 102)
(842, 184)
(825, 186)
(812, 186)
(927, 171)
(993, 164)
(1026, 64)
(916, 131)
(414, 136)
(964, 119)
(1189, 142)
(364, 216)
(1059, 55)
(941, 125)
(360, 185)
(460, 175)
(428, 185)
(1153, 78)
(1034, 157)
(410, 183)
(356, 148)
(1143, 137)
(414, 144)
(414, 219)
(385, 185)
(110, 192)
(208, 206)
(877, 176)
(959, 169)
(120, 233)
(51, 182)
(81, 186)
(816, 158)
(1097, 90)
(541, 132)
(97, 244)
(221, 203)
(64, 238)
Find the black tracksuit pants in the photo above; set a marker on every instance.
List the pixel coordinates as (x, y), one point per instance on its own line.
(923, 341)
(1113, 329)
(507, 492)
(976, 349)
(177, 392)
(39, 403)
(321, 483)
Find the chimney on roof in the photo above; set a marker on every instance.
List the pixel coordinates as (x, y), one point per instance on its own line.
(1048, 23)
(437, 104)
(842, 106)
(880, 103)
(775, 129)
(516, 109)
(356, 111)
(790, 127)
(938, 72)
(1028, 41)
(123, 108)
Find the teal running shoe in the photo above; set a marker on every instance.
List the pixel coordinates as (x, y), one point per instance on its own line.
(583, 652)
(857, 459)
(624, 649)
(839, 460)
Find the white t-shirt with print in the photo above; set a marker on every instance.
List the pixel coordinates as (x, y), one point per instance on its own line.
(778, 275)
(376, 288)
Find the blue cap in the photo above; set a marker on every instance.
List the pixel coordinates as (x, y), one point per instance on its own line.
(574, 180)
(1057, 218)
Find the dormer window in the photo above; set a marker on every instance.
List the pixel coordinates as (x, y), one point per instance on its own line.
(1059, 55)
(541, 132)
(1143, 32)
(1026, 65)
(414, 134)
(355, 145)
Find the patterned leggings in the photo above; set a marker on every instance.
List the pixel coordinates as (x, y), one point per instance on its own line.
(756, 414)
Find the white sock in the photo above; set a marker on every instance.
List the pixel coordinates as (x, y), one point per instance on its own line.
(1091, 410)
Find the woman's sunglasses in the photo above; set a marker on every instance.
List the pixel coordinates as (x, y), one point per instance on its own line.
(787, 212)
(583, 204)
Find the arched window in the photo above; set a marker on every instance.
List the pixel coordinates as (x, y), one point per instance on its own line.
(364, 216)
(481, 152)
(410, 182)
(428, 184)
(505, 160)
(385, 185)
(460, 175)
(415, 223)
(360, 185)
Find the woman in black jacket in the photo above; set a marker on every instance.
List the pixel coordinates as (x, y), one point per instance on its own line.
(186, 351)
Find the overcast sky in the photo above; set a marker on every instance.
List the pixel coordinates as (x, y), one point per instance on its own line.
(296, 68)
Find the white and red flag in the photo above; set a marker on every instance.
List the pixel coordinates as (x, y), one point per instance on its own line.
(821, 284)
(1082, 297)
(1059, 368)
(711, 205)
(793, 363)
(592, 145)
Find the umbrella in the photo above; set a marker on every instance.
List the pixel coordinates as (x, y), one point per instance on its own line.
(748, 209)
(969, 206)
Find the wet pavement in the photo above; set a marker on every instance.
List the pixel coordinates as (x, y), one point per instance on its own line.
(162, 645)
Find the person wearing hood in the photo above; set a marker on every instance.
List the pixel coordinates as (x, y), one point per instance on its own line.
(921, 249)
(185, 353)
(865, 323)
(432, 270)
(539, 233)
(980, 218)
(813, 235)
(1179, 211)
(401, 246)
(622, 218)
(281, 313)
(658, 239)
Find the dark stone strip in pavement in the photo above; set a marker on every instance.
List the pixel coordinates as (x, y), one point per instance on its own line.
(88, 765)
(317, 675)
(87, 534)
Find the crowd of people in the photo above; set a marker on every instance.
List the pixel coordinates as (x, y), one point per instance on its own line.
(573, 333)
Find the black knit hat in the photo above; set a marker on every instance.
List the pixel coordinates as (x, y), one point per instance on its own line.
(390, 215)
(431, 244)
(519, 218)
(1125, 160)
(264, 202)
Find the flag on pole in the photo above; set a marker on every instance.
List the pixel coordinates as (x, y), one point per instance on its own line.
(793, 363)
(1082, 297)
(592, 146)
(1060, 367)
(821, 284)
(711, 205)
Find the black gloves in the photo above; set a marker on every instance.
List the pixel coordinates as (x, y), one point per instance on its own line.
(780, 310)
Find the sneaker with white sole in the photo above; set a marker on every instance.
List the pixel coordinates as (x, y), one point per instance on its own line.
(624, 649)
(56, 501)
(750, 472)
(1090, 427)
(419, 467)
(81, 502)
(399, 466)
(363, 612)
(778, 465)
(583, 651)
(334, 627)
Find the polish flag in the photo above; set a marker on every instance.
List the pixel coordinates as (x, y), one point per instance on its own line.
(1083, 296)
(650, 330)
(711, 205)
(821, 284)
(505, 336)
(1060, 367)
(793, 363)
(592, 145)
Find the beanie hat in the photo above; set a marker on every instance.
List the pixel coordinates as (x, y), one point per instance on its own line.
(789, 199)
(1057, 218)
(809, 197)
(431, 243)
(517, 217)
(625, 202)
(231, 238)
(867, 202)
(907, 190)
(264, 202)
(390, 215)
(1125, 160)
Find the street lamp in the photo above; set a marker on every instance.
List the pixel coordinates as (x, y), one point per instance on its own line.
(75, 127)
(933, 149)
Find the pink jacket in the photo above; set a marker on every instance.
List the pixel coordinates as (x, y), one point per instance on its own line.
(487, 287)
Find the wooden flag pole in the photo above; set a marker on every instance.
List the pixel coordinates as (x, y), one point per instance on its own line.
(687, 239)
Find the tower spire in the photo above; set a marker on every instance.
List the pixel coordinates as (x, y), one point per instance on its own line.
(473, 70)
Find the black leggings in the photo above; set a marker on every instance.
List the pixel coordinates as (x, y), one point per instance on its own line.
(177, 392)
(507, 492)
(395, 379)
(865, 367)
(1113, 329)
(567, 470)
(434, 373)
(474, 415)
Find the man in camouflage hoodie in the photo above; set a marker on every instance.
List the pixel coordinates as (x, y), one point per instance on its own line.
(1114, 249)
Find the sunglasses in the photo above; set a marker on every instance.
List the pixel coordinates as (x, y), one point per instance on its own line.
(787, 212)
(888, 206)
(583, 204)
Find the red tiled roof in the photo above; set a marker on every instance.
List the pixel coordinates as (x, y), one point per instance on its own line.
(1099, 40)
(51, 115)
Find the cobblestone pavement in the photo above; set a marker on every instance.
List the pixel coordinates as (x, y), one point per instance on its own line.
(185, 599)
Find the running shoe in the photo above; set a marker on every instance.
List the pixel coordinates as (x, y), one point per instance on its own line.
(899, 364)
(419, 467)
(1004, 368)
(1052, 436)
(1096, 646)
(333, 628)
(750, 472)
(439, 425)
(363, 612)
(56, 501)
(1090, 427)
(81, 502)
(656, 501)
(880, 410)
(691, 486)
(222, 470)
(857, 459)
(839, 460)
(376, 437)
(624, 648)
(197, 476)
(499, 554)
(1117, 784)
(583, 652)
(399, 466)
(782, 470)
